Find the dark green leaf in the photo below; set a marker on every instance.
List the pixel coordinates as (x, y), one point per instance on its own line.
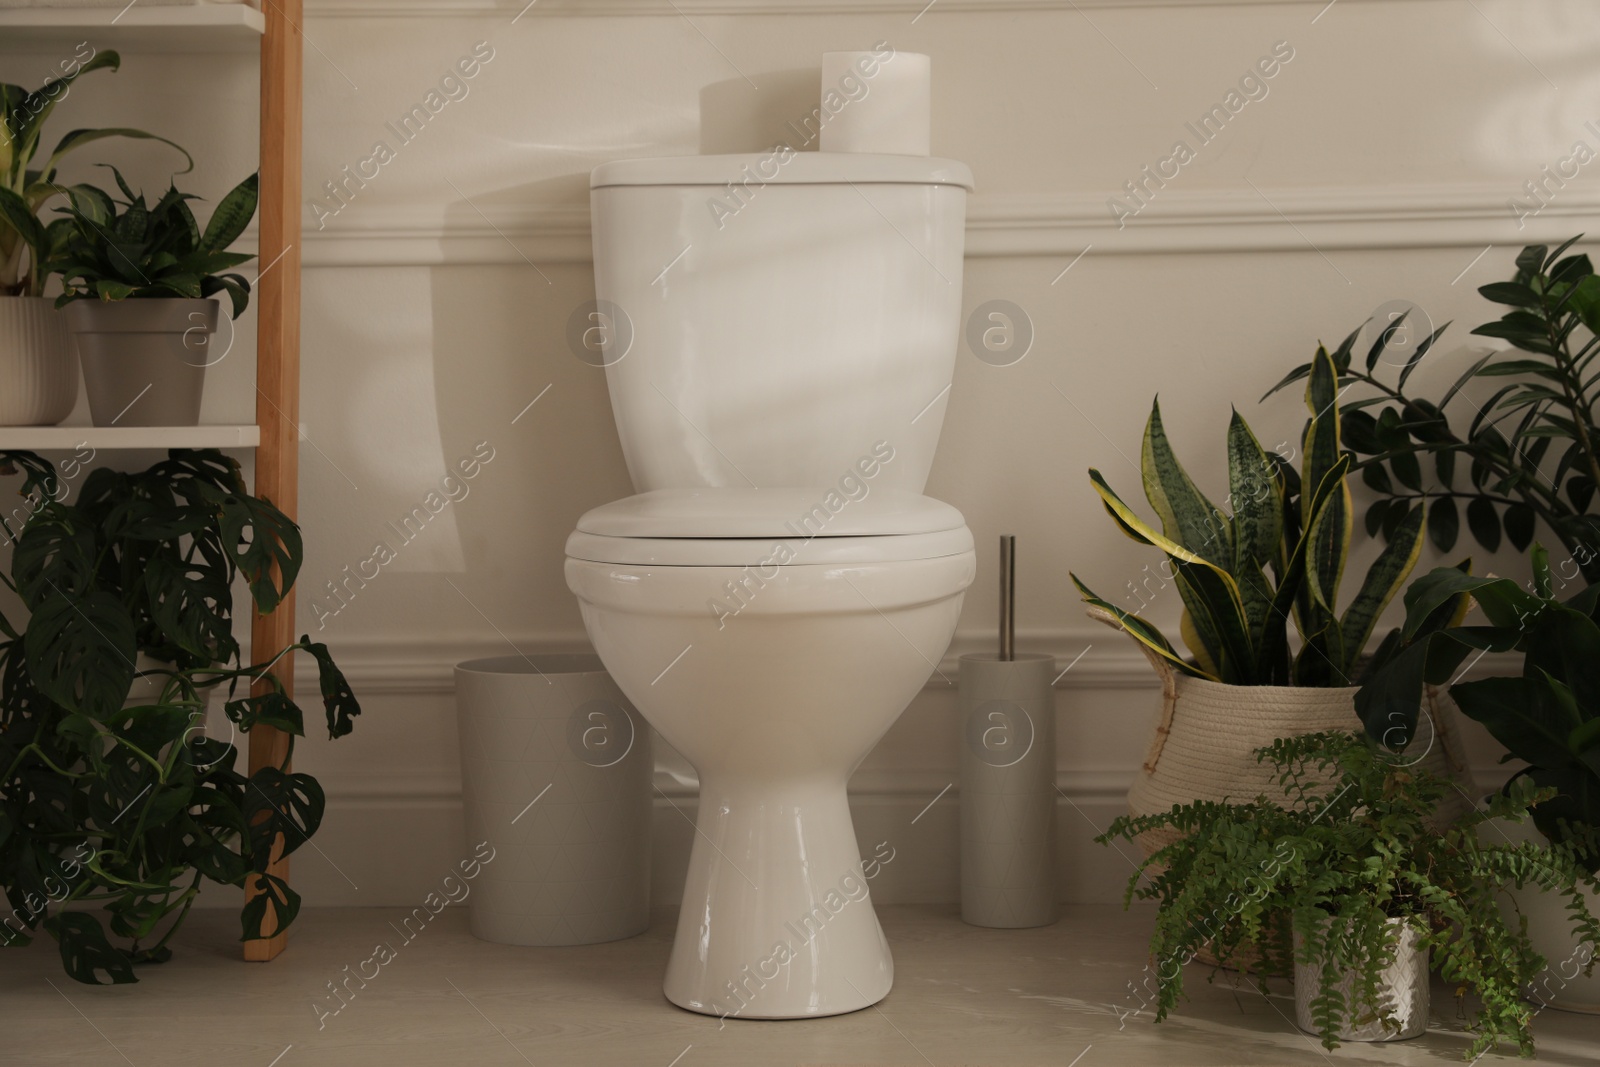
(1513, 293)
(1484, 522)
(1519, 519)
(1444, 523)
(80, 651)
(85, 952)
(285, 905)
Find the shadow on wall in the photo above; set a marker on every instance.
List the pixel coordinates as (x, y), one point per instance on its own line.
(736, 117)
(508, 377)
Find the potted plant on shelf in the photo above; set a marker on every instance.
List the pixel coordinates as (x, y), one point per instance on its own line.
(111, 794)
(1530, 454)
(38, 369)
(138, 282)
(1549, 718)
(1280, 554)
(1373, 890)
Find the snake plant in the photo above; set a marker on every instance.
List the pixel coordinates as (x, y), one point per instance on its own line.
(1278, 553)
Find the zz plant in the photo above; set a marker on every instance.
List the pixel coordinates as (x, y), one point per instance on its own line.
(1280, 552)
(1548, 717)
(1348, 847)
(24, 188)
(118, 800)
(1529, 454)
(119, 250)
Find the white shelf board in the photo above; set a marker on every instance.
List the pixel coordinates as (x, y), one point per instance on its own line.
(45, 438)
(181, 28)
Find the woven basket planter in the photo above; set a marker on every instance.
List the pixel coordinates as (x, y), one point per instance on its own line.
(1205, 742)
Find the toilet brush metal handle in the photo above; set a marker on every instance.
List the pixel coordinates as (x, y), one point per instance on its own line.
(1008, 597)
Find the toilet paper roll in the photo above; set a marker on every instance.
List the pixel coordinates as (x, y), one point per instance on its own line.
(877, 101)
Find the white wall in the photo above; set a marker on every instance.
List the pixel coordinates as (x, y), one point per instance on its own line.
(1379, 166)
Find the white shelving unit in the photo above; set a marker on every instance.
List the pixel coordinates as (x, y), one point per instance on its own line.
(184, 28)
(273, 32)
(103, 438)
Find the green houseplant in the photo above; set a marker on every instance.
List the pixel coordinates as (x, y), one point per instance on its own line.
(110, 794)
(38, 375)
(1530, 454)
(1350, 854)
(1548, 718)
(137, 281)
(1279, 557)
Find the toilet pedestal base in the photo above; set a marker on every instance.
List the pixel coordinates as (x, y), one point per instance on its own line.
(777, 921)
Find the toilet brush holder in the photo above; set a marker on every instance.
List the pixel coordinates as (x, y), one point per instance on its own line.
(1008, 790)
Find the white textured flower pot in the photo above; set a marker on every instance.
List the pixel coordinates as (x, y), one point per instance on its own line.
(1403, 993)
(556, 776)
(144, 361)
(1205, 741)
(38, 366)
(1562, 984)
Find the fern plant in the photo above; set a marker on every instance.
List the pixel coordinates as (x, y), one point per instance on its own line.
(1349, 847)
(1280, 553)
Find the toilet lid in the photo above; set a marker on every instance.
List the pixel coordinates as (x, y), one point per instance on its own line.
(768, 527)
(802, 168)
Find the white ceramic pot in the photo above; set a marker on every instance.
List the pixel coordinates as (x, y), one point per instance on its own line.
(1561, 985)
(1403, 994)
(38, 365)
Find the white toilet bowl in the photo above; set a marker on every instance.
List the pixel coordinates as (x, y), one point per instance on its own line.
(773, 656)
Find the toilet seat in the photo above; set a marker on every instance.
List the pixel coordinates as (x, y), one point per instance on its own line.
(706, 527)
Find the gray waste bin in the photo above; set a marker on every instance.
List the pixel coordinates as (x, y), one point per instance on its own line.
(556, 777)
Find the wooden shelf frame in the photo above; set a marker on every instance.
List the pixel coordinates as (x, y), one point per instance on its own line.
(278, 355)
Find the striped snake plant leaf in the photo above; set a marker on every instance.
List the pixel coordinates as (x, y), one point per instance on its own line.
(1321, 659)
(1186, 515)
(1255, 496)
(1258, 597)
(1384, 579)
(1217, 614)
(1328, 545)
(1141, 531)
(1196, 645)
(1141, 631)
(1321, 440)
(1208, 585)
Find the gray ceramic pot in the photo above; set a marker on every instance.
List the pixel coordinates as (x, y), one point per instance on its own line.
(144, 361)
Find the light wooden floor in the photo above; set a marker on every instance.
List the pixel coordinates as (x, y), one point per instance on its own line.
(963, 996)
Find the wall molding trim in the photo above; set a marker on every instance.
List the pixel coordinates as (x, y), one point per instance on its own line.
(1011, 225)
(416, 666)
(355, 9)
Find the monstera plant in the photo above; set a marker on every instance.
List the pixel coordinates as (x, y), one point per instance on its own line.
(111, 793)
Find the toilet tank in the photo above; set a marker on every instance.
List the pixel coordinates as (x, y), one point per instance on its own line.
(771, 320)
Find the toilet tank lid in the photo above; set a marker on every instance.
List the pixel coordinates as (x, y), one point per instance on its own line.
(767, 168)
(826, 511)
